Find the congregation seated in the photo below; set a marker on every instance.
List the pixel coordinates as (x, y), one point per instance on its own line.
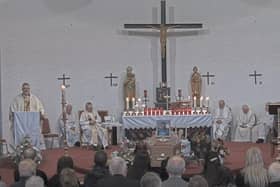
(253, 174)
(30, 153)
(175, 168)
(274, 174)
(34, 181)
(62, 163)
(26, 168)
(246, 120)
(150, 179)
(118, 170)
(68, 178)
(198, 181)
(99, 170)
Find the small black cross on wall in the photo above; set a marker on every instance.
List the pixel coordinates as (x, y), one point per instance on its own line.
(111, 77)
(255, 75)
(208, 77)
(64, 78)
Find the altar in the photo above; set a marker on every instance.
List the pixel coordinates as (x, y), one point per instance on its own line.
(176, 121)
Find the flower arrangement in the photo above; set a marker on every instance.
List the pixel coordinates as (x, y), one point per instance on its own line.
(18, 151)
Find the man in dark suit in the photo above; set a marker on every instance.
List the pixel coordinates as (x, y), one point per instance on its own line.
(175, 168)
(26, 168)
(99, 171)
(118, 170)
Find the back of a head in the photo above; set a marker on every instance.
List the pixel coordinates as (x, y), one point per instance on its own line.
(150, 179)
(254, 172)
(34, 181)
(118, 166)
(198, 181)
(68, 178)
(175, 166)
(64, 162)
(29, 153)
(100, 158)
(27, 168)
(274, 172)
(254, 157)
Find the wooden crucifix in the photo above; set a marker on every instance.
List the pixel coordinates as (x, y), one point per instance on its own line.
(111, 77)
(255, 75)
(163, 28)
(208, 76)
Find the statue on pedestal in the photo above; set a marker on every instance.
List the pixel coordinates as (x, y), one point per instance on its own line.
(196, 83)
(129, 87)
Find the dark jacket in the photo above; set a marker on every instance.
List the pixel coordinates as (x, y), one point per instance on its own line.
(274, 184)
(20, 182)
(117, 181)
(95, 175)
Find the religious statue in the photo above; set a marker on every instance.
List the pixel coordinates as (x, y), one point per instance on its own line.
(129, 86)
(196, 83)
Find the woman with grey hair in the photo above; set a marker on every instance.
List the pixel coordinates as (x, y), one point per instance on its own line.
(68, 178)
(150, 179)
(254, 174)
(34, 181)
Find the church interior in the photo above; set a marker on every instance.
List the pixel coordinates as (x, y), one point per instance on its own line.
(192, 78)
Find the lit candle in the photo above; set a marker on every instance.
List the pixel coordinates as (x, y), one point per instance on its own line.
(133, 102)
(127, 103)
(201, 101)
(194, 101)
(207, 101)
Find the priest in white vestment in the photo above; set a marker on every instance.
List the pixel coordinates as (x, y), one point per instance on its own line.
(245, 122)
(26, 102)
(71, 126)
(222, 121)
(92, 131)
(263, 127)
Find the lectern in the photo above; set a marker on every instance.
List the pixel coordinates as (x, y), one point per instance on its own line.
(27, 124)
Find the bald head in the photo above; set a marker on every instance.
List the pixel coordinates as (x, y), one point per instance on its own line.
(221, 104)
(175, 166)
(27, 168)
(245, 109)
(68, 109)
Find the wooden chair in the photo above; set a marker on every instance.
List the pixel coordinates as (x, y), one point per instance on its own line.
(46, 131)
(102, 114)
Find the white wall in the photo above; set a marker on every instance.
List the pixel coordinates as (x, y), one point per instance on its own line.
(41, 39)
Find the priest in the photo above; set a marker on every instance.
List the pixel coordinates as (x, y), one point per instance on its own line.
(26, 102)
(71, 126)
(245, 122)
(264, 126)
(92, 131)
(222, 121)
